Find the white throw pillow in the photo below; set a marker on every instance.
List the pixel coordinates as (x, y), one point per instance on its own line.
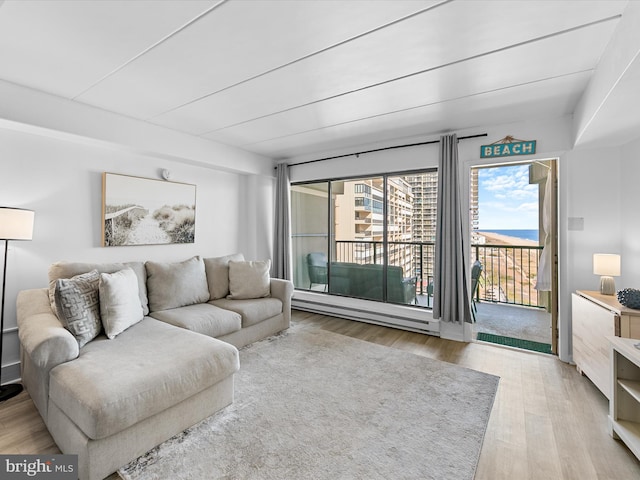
(249, 279)
(119, 302)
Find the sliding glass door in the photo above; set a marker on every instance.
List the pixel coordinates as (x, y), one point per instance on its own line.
(369, 238)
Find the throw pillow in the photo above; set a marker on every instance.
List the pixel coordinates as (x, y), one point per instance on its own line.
(119, 302)
(172, 285)
(217, 270)
(78, 305)
(249, 279)
(71, 269)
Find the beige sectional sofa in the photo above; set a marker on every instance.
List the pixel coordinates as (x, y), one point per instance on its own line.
(160, 357)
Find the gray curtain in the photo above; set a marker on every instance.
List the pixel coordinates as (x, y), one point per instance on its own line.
(282, 230)
(452, 301)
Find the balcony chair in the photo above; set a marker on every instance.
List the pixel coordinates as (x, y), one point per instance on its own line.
(476, 272)
(317, 265)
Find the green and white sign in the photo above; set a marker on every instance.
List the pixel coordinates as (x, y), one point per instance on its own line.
(508, 149)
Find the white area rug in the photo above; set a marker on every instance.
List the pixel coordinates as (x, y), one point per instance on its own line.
(311, 404)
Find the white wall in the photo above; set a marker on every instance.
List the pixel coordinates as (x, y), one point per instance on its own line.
(62, 181)
(592, 193)
(630, 215)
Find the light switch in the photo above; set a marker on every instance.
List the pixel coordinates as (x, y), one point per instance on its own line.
(576, 223)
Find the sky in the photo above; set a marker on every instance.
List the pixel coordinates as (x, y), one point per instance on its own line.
(506, 201)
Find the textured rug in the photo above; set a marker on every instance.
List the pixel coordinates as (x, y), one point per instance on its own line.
(311, 404)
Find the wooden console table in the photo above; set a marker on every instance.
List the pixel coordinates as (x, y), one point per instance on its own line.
(594, 318)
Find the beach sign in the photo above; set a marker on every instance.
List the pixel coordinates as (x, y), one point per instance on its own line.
(508, 147)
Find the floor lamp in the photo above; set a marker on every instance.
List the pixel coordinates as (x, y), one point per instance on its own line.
(15, 224)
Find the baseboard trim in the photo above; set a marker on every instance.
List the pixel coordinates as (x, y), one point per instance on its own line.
(371, 315)
(11, 373)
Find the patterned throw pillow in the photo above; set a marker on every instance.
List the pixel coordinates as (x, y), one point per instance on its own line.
(78, 305)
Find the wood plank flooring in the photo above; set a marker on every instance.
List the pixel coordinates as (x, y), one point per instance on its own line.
(548, 422)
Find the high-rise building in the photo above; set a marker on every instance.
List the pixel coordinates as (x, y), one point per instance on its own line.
(359, 226)
(424, 187)
(474, 216)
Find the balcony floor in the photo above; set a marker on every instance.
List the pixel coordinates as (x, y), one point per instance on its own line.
(514, 321)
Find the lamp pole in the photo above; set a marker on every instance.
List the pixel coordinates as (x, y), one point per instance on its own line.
(11, 390)
(15, 224)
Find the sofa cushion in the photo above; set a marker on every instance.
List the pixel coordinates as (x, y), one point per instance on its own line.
(252, 310)
(78, 306)
(202, 318)
(172, 285)
(119, 302)
(71, 269)
(217, 270)
(249, 279)
(149, 367)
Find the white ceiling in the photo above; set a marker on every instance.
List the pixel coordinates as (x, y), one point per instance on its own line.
(291, 78)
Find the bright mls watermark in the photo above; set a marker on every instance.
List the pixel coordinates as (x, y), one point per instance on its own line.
(39, 467)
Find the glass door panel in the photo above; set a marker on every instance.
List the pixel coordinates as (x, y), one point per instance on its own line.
(309, 235)
(357, 245)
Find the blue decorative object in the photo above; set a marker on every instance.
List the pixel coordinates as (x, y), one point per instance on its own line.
(629, 297)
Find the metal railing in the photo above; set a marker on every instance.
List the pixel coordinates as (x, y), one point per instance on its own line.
(415, 258)
(509, 273)
(508, 276)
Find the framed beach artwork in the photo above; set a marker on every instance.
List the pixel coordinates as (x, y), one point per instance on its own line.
(145, 211)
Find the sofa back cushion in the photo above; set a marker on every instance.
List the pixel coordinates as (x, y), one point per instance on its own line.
(217, 270)
(249, 279)
(173, 285)
(71, 269)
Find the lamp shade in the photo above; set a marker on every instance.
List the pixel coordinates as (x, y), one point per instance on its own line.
(16, 223)
(606, 264)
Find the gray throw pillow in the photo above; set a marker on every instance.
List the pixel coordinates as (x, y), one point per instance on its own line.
(78, 305)
(217, 270)
(249, 279)
(173, 285)
(119, 302)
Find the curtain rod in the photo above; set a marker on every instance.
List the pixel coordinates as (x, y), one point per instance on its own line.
(384, 148)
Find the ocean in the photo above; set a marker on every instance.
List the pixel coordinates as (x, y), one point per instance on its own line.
(525, 234)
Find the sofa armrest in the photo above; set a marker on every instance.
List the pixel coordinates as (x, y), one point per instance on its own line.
(42, 336)
(283, 290)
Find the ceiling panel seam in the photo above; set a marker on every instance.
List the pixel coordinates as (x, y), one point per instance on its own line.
(305, 57)
(420, 72)
(369, 117)
(148, 49)
(605, 99)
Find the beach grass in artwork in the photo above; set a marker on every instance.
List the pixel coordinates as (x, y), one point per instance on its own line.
(144, 211)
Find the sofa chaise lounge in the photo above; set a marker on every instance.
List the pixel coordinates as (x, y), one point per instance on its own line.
(158, 365)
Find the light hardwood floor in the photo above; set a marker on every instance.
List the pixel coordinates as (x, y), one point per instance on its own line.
(547, 423)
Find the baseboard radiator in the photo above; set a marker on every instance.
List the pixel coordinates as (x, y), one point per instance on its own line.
(386, 319)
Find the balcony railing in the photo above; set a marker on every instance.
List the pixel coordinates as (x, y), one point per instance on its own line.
(509, 271)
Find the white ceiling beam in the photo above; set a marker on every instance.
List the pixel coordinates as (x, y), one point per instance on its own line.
(619, 56)
(33, 111)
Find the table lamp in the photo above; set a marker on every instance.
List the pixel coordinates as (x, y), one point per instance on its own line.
(606, 265)
(15, 224)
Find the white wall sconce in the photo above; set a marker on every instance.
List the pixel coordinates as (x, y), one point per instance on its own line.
(606, 265)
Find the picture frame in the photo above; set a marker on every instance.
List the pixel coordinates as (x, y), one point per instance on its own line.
(146, 211)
